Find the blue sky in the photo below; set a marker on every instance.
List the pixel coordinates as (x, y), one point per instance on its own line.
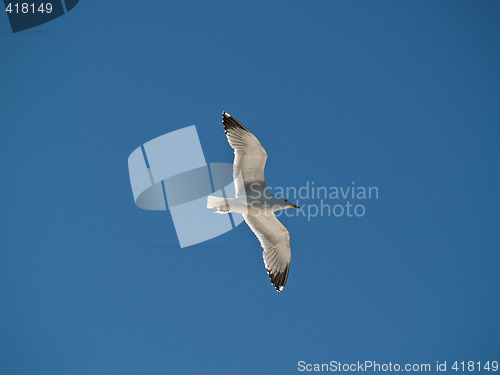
(399, 95)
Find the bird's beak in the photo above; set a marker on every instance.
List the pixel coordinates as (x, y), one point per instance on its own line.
(295, 206)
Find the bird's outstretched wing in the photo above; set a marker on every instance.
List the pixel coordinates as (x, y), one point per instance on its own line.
(249, 155)
(275, 240)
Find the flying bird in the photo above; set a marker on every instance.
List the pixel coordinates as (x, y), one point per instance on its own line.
(255, 201)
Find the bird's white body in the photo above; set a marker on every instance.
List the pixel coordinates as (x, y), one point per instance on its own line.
(260, 203)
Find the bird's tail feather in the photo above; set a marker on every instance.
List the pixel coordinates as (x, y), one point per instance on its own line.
(220, 204)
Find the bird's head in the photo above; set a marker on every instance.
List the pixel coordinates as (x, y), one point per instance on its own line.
(287, 204)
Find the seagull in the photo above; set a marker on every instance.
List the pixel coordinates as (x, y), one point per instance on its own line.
(255, 201)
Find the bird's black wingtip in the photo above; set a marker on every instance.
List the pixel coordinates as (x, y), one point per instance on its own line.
(279, 279)
(231, 123)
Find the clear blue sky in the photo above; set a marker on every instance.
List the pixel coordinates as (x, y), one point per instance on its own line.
(399, 95)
